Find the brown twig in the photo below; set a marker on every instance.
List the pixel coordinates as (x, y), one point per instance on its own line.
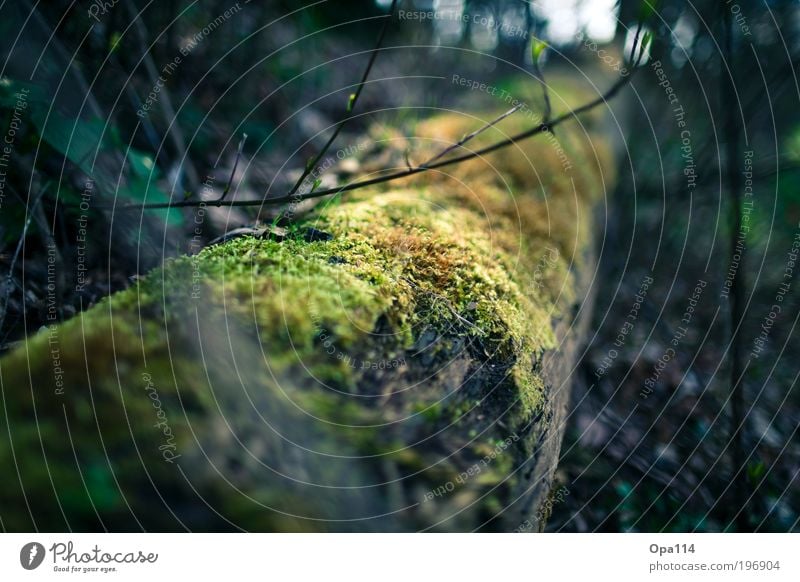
(737, 395)
(167, 110)
(233, 171)
(348, 115)
(9, 277)
(292, 197)
(295, 198)
(471, 136)
(548, 108)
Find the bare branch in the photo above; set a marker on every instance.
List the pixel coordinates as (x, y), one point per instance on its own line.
(405, 157)
(350, 104)
(548, 109)
(167, 110)
(233, 171)
(470, 136)
(293, 198)
(31, 214)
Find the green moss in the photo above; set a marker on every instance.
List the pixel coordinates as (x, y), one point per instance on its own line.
(404, 256)
(256, 339)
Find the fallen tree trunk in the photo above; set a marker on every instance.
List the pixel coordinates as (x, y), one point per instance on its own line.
(399, 360)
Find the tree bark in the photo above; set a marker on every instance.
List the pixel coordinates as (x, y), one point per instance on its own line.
(400, 360)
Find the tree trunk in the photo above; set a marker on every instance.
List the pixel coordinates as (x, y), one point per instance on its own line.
(399, 360)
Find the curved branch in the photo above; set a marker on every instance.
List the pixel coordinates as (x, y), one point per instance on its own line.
(292, 197)
(350, 104)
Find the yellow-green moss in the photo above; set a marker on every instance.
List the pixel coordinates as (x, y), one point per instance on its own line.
(414, 256)
(480, 255)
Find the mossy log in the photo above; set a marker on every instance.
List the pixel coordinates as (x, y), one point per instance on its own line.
(399, 360)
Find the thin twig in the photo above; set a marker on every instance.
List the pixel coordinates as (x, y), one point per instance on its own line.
(9, 277)
(548, 109)
(68, 59)
(46, 234)
(449, 306)
(233, 171)
(405, 157)
(739, 429)
(167, 110)
(350, 104)
(635, 62)
(470, 136)
(293, 198)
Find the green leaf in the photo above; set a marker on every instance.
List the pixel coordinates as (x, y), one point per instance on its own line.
(755, 471)
(12, 220)
(113, 42)
(537, 48)
(78, 140)
(142, 185)
(142, 189)
(141, 164)
(351, 102)
(100, 485)
(647, 39)
(647, 8)
(316, 184)
(11, 91)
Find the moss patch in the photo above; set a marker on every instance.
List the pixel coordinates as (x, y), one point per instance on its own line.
(387, 359)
